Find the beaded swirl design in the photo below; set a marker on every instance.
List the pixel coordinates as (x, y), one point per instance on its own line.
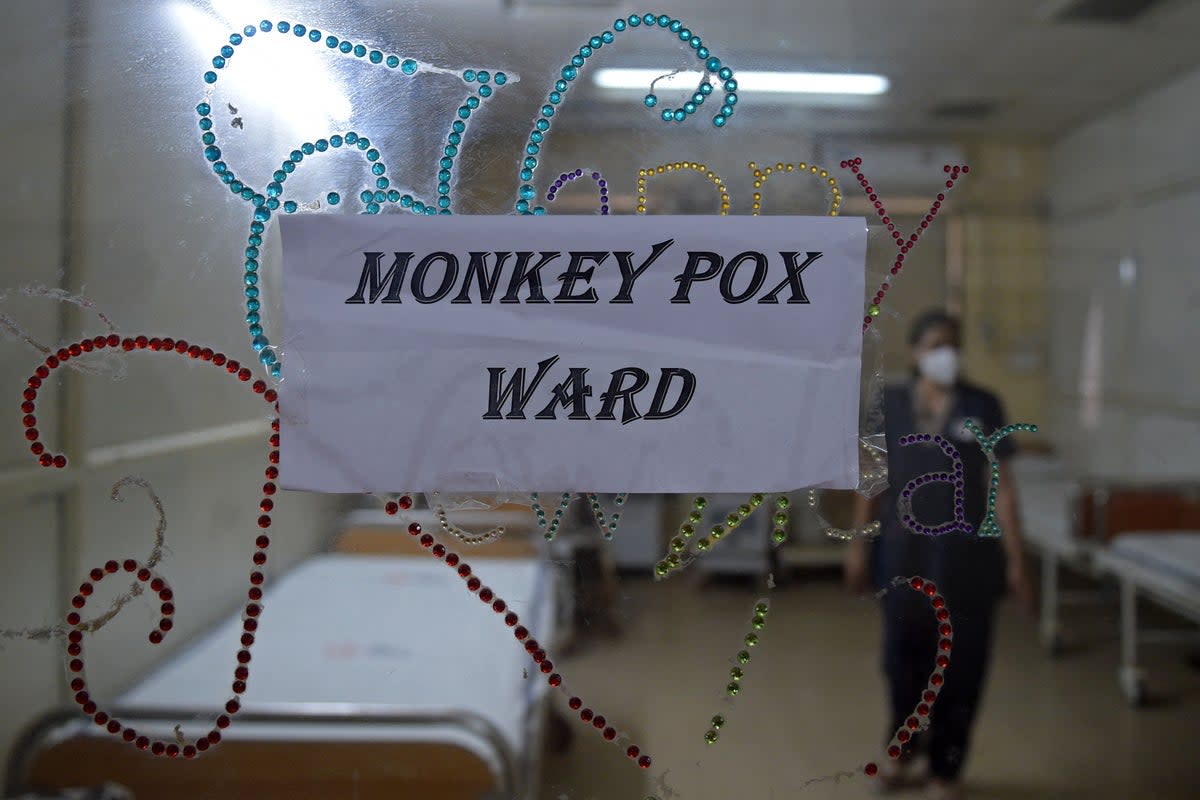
(717, 86)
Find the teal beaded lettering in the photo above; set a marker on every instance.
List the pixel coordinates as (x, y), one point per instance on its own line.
(989, 526)
(268, 200)
(571, 71)
(540, 514)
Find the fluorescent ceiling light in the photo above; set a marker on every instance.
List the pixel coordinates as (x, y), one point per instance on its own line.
(748, 81)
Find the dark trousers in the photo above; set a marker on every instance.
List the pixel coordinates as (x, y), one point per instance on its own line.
(909, 647)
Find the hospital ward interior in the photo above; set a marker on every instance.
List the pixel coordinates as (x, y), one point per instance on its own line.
(988, 589)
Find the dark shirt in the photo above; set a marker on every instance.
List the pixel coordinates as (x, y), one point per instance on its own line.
(968, 568)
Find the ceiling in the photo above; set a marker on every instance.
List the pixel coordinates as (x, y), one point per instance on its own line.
(1040, 75)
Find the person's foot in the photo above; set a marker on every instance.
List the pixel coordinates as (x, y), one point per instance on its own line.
(940, 789)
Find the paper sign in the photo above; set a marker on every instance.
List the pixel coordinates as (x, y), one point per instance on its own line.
(571, 353)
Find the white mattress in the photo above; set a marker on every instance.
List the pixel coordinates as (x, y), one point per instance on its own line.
(1174, 553)
(375, 634)
(1028, 465)
(1046, 497)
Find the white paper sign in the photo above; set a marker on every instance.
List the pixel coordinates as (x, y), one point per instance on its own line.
(571, 353)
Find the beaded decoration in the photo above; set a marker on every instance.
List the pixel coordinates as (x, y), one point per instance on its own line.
(761, 175)
(373, 198)
(780, 520)
(463, 536)
(874, 469)
(989, 526)
(143, 571)
(540, 514)
(902, 244)
(869, 531)
(678, 556)
(919, 719)
(757, 622)
(571, 71)
(904, 501)
(536, 652)
(395, 505)
(608, 524)
(10, 325)
(156, 552)
(675, 166)
(567, 177)
(679, 543)
(404, 502)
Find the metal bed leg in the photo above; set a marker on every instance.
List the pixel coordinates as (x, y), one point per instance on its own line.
(1132, 682)
(1050, 635)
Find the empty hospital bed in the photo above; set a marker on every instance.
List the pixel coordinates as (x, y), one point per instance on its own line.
(1069, 520)
(1049, 499)
(1165, 568)
(375, 673)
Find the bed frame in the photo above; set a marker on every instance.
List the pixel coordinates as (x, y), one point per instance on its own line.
(373, 532)
(259, 759)
(1052, 531)
(64, 750)
(1100, 512)
(1075, 552)
(1096, 514)
(1165, 590)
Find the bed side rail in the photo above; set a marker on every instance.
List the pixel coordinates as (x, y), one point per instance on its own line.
(62, 727)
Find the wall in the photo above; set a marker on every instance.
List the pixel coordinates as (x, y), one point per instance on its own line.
(1125, 191)
(106, 194)
(30, 218)
(985, 258)
(998, 268)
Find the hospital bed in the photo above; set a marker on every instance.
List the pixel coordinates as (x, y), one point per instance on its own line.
(375, 674)
(1165, 568)
(1049, 503)
(1069, 521)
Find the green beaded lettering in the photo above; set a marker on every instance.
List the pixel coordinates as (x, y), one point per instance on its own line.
(730, 523)
(736, 673)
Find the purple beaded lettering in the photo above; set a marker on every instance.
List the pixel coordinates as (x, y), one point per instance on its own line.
(566, 177)
(904, 504)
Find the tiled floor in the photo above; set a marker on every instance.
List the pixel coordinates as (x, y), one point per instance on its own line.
(812, 706)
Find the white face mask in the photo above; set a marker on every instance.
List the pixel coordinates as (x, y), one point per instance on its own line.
(940, 365)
